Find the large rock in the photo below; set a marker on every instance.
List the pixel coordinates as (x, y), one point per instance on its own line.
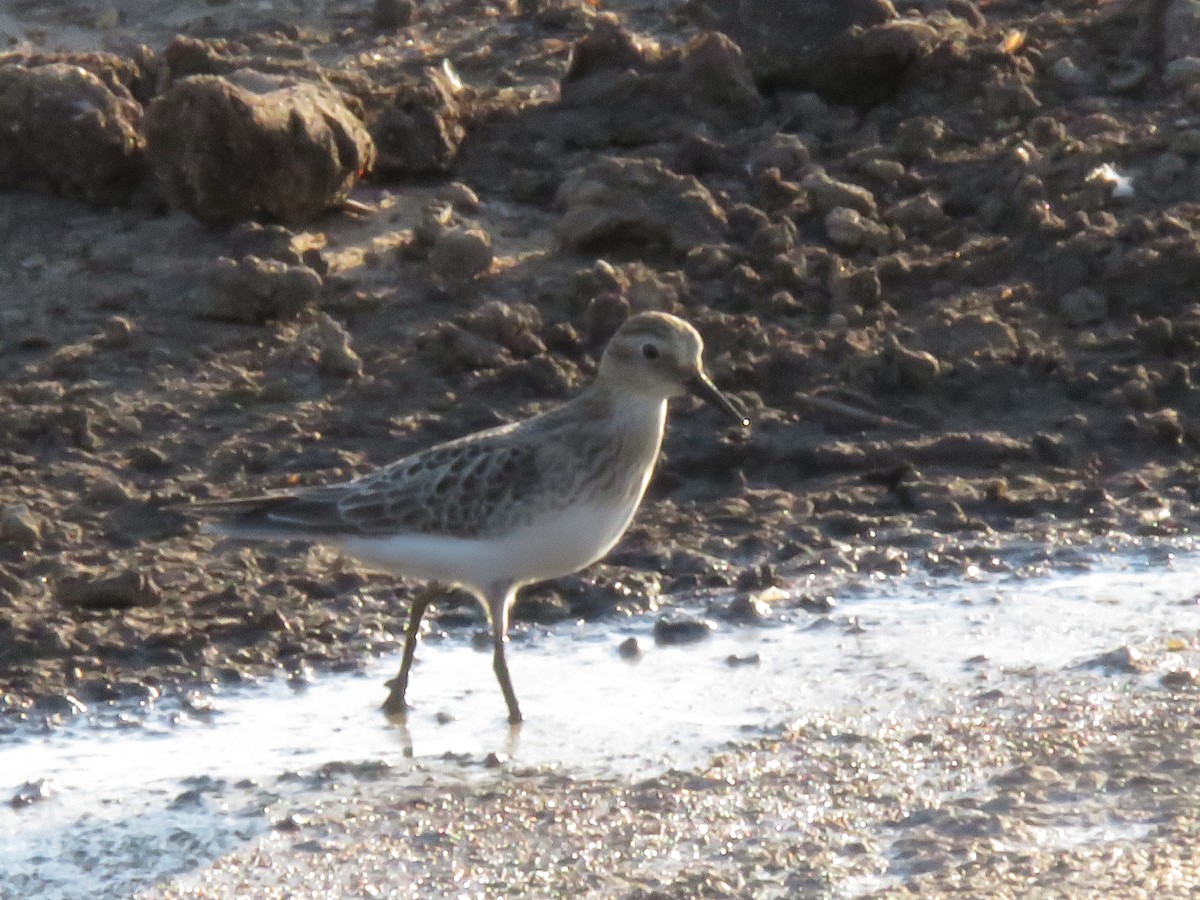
(617, 200)
(253, 146)
(67, 130)
(849, 51)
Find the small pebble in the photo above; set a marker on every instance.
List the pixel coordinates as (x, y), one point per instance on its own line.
(750, 659)
(669, 632)
(31, 792)
(1181, 680)
(629, 648)
(148, 459)
(20, 527)
(461, 254)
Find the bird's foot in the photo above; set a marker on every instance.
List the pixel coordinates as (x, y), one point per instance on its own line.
(395, 706)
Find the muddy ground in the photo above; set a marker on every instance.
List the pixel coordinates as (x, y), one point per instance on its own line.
(978, 224)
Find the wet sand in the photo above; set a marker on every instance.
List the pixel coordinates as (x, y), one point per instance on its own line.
(1070, 786)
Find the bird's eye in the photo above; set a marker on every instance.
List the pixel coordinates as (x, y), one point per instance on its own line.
(650, 351)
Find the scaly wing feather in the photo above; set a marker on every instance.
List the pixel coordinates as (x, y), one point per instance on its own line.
(463, 487)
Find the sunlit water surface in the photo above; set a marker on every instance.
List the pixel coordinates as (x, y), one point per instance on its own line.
(130, 805)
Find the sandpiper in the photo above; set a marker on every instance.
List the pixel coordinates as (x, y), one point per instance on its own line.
(510, 506)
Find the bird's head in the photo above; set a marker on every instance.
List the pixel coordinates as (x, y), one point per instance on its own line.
(662, 355)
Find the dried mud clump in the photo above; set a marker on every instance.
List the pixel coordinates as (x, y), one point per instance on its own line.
(253, 290)
(624, 90)
(620, 89)
(854, 53)
(68, 131)
(420, 128)
(619, 200)
(122, 590)
(137, 73)
(253, 146)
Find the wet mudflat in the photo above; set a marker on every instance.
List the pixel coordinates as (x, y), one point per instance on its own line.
(919, 723)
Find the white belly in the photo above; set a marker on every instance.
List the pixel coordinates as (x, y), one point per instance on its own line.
(556, 546)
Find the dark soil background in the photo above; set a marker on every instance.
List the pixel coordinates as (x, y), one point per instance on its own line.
(946, 252)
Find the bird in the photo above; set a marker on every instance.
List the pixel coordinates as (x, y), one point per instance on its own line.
(506, 507)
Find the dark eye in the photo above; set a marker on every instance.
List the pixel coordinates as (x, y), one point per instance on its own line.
(650, 351)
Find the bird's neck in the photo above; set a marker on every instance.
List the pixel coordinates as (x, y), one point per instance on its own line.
(624, 407)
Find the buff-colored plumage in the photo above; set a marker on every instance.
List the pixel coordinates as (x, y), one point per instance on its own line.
(506, 507)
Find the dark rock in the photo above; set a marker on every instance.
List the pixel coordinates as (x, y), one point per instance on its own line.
(255, 146)
(1084, 306)
(20, 527)
(452, 348)
(1180, 30)
(829, 194)
(622, 90)
(674, 631)
(67, 130)
(759, 578)
(850, 52)
(1124, 659)
(461, 253)
(61, 705)
(540, 605)
(558, 14)
(750, 659)
(146, 458)
(603, 316)
(136, 73)
(419, 129)
(10, 584)
(123, 590)
(785, 153)
(609, 590)
(436, 219)
(514, 327)
(264, 241)
(698, 154)
(331, 350)
(849, 230)
(31, 792)
(1181, 680)
(746, 609)
(900, 367)
(629, 648)
(187, 55)
(492, 761)
(618, 200)
(817, 604)
(254, 290)
(390, 15)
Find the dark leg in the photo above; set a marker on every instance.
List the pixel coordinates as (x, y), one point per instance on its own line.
(394, 704)
(498, 604)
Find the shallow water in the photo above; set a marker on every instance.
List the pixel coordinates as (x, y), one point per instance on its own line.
(130, 804)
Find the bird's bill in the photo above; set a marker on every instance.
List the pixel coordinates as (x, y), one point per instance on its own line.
(701, 386)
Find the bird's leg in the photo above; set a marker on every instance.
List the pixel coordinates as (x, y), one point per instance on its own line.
(395, 704)
(498, 602)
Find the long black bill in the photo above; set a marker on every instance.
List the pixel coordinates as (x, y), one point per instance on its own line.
(701, 386)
